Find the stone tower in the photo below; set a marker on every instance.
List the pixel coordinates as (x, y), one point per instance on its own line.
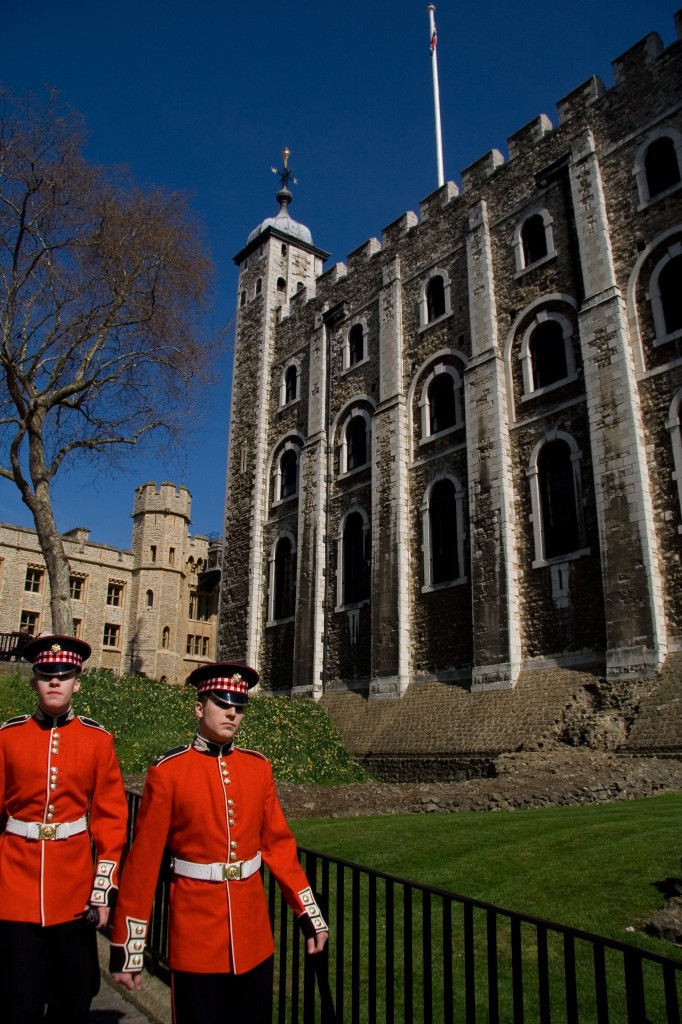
(458, 456)
(158, 590)
(278, 268)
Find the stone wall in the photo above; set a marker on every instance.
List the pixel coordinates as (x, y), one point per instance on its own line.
(445, 732)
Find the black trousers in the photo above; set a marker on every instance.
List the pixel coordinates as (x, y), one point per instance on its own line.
(224, 998)
(55, 967)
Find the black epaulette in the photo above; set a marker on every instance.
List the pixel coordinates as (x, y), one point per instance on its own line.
(256, 753)
(169, 754)
(17, 720)
(92, 723)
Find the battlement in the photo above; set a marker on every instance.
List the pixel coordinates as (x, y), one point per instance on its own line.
(526, 138)
(437, 200)
(167, 498)
(627, 70)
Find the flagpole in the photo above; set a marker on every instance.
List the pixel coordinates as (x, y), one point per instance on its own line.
(436, 94)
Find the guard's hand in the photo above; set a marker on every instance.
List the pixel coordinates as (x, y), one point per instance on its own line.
(317, 944)
(97, 916)
(129, 979)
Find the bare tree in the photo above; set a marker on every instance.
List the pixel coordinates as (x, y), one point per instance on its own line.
(103, 290)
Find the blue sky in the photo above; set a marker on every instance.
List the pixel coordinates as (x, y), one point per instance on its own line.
(202, 97)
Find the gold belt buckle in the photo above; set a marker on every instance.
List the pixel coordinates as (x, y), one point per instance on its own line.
(232, 872)
(47, 831)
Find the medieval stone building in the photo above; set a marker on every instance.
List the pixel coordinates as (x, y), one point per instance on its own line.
(459, 455)
(151, 609)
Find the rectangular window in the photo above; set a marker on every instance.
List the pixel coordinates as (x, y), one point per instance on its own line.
(152, 555)
(76, 587)
(171, 556)
(111, 635)
(115, 595)
(78, 628)
(197, 646)
(34, 580)
(29, 623)
(199, 607)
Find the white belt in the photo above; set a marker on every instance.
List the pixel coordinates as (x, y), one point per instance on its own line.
(219, 872)
(46, 830)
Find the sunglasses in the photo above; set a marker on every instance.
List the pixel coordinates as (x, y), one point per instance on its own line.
(239, 709)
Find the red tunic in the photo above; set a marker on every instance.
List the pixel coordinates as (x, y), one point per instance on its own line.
(57, 770)
(210, 804)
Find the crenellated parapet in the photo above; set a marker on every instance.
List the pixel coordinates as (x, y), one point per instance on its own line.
(525, 139)
(630, 63)
(167, 499)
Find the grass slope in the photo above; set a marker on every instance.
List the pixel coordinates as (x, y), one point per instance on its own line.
(148, 717)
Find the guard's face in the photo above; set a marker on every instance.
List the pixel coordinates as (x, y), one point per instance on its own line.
(55, 692)
(218, 723)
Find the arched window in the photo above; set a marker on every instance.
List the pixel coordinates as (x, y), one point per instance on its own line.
(355, 568)
(284, 595)
(658, 164)
(665, 294)
(670, 285)
(440, 400)
(150, 599)
(259, 286)
(558, 500)
(356, 345)
(281, 284)
(533, 240)
(674, 426)
(165, 638)
(443, 539)
(242, 299)
(661, 166)
(356, 443)
(442, 406)
(288, 466)
(435, 299)
(546, 353)
(290, 383)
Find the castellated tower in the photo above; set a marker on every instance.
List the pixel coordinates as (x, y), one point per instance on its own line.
(458, 456)
(278, 268)
(158, 620)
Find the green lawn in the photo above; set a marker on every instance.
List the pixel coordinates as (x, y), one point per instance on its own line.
(595, 867)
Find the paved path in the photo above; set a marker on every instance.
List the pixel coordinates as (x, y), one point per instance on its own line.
(109, 1007)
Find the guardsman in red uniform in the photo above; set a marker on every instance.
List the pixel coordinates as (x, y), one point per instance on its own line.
(215, 805)
(60, 791)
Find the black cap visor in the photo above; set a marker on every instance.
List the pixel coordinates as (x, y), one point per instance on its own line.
(57, 671)
(226, 699)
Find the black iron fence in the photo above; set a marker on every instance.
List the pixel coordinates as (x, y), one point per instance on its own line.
(402, 953)
(12, 644)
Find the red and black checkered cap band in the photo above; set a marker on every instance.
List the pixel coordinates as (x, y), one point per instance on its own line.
(229, 684)
(58, 658)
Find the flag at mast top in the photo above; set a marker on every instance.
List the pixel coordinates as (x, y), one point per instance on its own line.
(433, 39)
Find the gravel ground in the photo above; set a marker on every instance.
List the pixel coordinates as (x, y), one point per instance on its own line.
(560, 776)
